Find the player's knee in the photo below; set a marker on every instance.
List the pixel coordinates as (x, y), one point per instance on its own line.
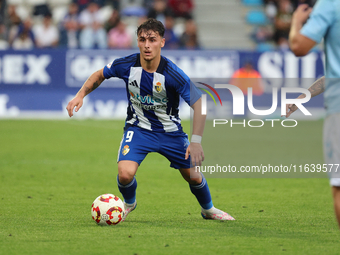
(192, 177)
(336, 192)
(195, 180)
(126, 171)
(125, 178)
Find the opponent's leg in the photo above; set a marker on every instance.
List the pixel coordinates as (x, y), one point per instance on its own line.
(199, 187)
(336, 198)
(127, 184)
(331, 150)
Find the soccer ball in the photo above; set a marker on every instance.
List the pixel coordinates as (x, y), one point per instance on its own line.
(107, 209)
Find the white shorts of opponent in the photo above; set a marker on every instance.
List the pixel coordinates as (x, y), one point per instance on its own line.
(331, 147)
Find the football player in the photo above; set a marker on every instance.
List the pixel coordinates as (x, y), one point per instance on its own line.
(154, 85)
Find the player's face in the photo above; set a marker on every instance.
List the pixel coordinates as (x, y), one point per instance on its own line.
(150, 44)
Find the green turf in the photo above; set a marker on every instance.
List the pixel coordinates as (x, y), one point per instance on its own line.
(51, 171)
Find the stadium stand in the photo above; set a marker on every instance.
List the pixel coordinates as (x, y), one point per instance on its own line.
(214, 24)
(222, 24)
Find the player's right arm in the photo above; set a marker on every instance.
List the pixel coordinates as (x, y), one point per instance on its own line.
(299, 44)
(89, 85)
(317, 88)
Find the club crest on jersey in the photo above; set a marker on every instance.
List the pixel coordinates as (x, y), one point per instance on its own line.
(158, 87)
(125, 150)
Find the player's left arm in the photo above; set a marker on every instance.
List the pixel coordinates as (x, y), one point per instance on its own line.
(195, 148)
(299, 44)
(192, 96)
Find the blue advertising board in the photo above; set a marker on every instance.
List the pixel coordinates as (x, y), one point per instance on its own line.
(39, 83)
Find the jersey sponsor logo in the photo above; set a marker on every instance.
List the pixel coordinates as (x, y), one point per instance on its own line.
(126, 150)
(109, 65)
(150, 107)
(158, 87)
(134, 83)
(148, 99)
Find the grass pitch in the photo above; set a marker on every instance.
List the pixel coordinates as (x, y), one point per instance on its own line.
(51, 171)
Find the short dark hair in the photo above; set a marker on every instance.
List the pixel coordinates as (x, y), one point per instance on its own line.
(151, 24)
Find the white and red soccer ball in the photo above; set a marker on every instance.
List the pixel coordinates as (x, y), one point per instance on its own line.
(107, 209)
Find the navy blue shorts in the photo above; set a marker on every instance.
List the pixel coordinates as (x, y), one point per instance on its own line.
(138, 142)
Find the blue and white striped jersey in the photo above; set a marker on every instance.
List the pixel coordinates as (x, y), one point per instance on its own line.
(153, 97)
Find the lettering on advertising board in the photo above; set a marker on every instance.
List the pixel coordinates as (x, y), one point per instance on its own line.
(25, 69)
(81, 64)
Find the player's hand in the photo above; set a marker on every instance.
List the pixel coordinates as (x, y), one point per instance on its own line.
(290, 108)
(196, 152)
(302, 13)
(75, 102)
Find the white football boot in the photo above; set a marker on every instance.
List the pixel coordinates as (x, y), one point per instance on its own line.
(215, 214)
(129, 208)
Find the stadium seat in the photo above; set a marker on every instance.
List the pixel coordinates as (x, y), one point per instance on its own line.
(4, 45)
(23, 11)
(59, 2)
(256, 17)
(59, 13)
(15, 2)
(36, 2)
(106, 12)
(253, 2)
(262, 47)
(133, 11)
